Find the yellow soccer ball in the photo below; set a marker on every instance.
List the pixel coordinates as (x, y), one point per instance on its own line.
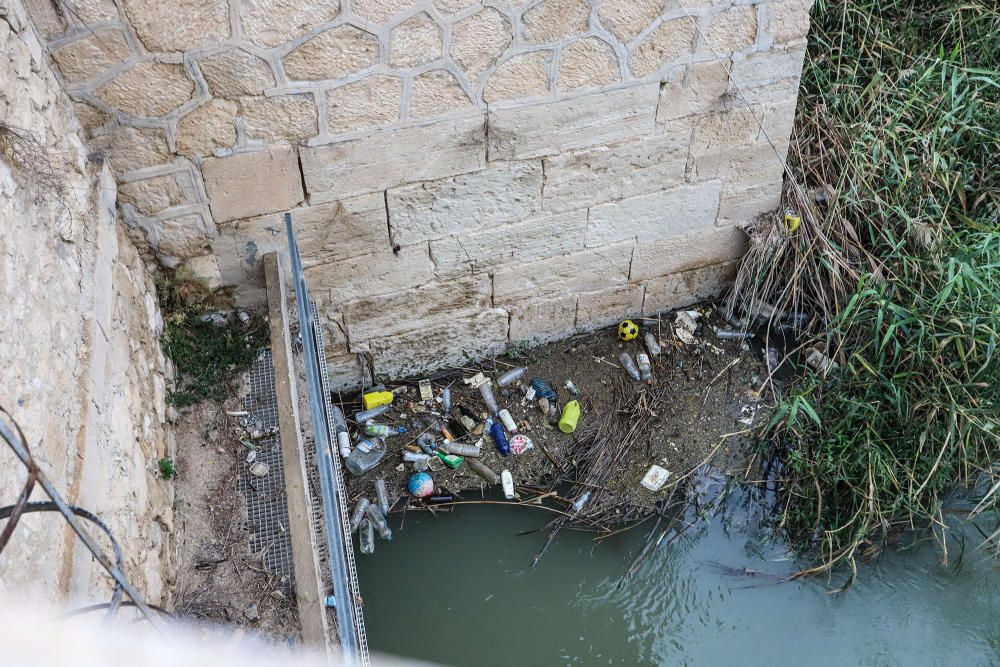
(628, 330)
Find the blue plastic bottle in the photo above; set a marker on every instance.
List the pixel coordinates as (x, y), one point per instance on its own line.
(500, 438)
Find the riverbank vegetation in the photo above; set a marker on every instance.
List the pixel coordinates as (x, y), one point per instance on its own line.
(896, 156)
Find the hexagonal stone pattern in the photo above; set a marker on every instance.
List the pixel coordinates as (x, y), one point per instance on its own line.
(554, 19)
(379, 11)
(587, 63)
(235, 72)
(206, 128)
(148, 89)
(332, 54)
(479, 40)
(625, 19)
(280, 118)
(273, 22)
(669, 41)
(522, 76)
(436, 92)
(89, 56)
(178, 25)
(414, 42)
(367, 103)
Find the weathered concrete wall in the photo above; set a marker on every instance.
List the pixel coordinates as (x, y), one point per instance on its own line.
(508, 170)
(80, 364)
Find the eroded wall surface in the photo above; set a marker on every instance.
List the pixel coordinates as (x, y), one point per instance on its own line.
(80, 364)
(462, 173)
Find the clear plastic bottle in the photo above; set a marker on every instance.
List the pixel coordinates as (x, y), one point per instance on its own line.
(460, 449)
(420, 461)
(513, 375)
(484, 471)
(507, 420)
(383, 431)
(651, 344)
(366, 537)
(368, 454)
(487, 393)
(359, 512)
(377, 411)
(446, 399)
(645, 367)
(626, 359)
(382, 496)
(377, 519)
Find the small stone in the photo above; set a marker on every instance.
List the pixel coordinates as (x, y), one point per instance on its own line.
(252, 613)
(543, 405)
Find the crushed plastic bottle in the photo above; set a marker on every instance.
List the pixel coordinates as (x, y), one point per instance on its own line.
(543, 389)
(483, 471)
(377, 519)
(487, 393)
(382, 496)
(513, 375)
(507, 421)
(383, 431)
(446, 399)
(460, 449)
(420, 461)
(645, 367)
(581, 501)
(508, 484)
(500, 438)
(626, 359)
(651, 344)
(368, 454)
(359, 512)
(378, 411)
(572, 388)
(366, 537)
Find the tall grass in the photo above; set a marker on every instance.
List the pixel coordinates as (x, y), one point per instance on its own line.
(899, 124)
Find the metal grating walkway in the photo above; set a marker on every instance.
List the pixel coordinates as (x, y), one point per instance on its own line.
(267, 508)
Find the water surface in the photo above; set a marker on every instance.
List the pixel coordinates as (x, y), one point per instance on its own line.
(457, 589)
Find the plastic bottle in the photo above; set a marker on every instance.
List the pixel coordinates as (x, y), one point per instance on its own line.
(626, 359)
(343, 437)
(651, 344)
(365, 415)
(460, 449)
(446, 399)
(484, 471)
(377, 519)
(500, 438)
(383, 431)
(487, 393)
(420, 461)
(543, 389)
(382, 496)
(572, 388)
(368, 454)
(508, 484)
(645, 367)
(359, 512)
(450, 460)
(366, 537)
(570, 417)
(507, 421)
(513, 375)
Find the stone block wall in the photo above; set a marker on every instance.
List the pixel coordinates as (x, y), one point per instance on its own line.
(80, 363)
(462, 173)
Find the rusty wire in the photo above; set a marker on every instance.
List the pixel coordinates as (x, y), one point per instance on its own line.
(18, 443)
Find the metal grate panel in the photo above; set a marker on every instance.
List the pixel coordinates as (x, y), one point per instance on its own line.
(341, 493)
(267, 506)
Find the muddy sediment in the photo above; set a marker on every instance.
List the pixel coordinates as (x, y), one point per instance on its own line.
(697, 408)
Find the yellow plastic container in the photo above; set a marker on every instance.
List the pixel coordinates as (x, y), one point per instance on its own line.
(376, 398)
(570, 416)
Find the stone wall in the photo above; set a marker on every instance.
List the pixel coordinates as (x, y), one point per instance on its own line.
(462, 173)
(80, 364)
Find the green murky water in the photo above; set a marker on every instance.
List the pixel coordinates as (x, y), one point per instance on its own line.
(456, 589)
